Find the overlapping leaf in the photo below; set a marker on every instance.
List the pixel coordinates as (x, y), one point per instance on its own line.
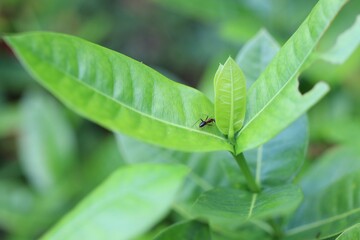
(331, 197)
(274, 100)
(278, 160)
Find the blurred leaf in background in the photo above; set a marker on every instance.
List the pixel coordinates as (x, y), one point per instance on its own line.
(182, 38)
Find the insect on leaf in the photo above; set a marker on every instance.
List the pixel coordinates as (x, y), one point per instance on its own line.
(118, 92)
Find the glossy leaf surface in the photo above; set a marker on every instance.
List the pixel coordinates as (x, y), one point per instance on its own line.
(331, 196)
(274, 100)
(118, 92)
(229, 207)
(126, 205)
(230, 98)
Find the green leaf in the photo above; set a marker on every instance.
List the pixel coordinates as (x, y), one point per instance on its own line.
(126, 205)
(331, 203)
(47, 142)
(252, 230)
(351, 233)
(189, 230)
(229, 207)
(117, 92)
(279, 160)
(274, 101)
(230, 98)
(345, 45)
(256, 54)
(9, 119)
(209, 169)
(16, 203)
(273, 164)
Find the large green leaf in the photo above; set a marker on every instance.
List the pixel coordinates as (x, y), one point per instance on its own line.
(351, 233)
(229, 207)
(189, 230)
(118, 92)
(47, 142)
(331, 196)
(274, 100)
(126, 205)
(230, 98)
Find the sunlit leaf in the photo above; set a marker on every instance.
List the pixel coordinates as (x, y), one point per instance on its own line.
(117, 92)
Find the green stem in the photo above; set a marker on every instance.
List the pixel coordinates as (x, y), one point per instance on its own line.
(241, 161)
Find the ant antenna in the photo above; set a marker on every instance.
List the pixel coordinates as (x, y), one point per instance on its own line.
(196, 123)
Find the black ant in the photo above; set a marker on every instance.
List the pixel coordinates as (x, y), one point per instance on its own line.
(207, 121)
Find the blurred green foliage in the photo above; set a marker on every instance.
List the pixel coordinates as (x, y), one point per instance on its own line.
(179, 38)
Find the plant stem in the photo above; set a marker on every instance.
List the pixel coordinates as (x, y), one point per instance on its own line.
(241, 161)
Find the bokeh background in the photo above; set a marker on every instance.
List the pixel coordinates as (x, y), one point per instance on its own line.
(50, 158)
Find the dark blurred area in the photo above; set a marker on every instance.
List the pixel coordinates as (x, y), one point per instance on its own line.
(50, 157)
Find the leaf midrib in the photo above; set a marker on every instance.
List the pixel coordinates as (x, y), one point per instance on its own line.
(231, 119)
(116, 101)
